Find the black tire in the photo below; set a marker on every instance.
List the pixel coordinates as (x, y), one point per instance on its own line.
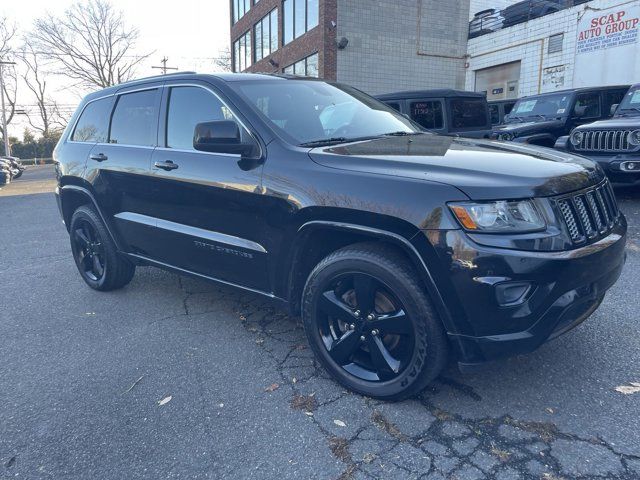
(96, 256)
(414, 348)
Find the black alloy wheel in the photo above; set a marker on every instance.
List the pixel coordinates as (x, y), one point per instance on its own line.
(88, 251)
(370, 322)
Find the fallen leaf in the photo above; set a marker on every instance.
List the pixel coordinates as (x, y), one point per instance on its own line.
(309, 414)
(165, 400)
(294, 380)
(221, 405)
(340, 423)
(134, 384)
(260, 341)
(272, 387)
(633, 387)
(550, 410)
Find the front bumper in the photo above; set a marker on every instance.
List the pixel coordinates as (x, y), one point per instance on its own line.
(617, 167)
(561, 289)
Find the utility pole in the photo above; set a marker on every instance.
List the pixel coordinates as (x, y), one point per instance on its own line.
(164, 67)
(7, 149)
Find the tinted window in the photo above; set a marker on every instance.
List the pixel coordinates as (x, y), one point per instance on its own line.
(428, 114)
(135, 119)
(189, 106)
(468, 113)
(508, 107)
(587, 105)
(495, 114)
(93, 123)
(394, 105)
(611, 97)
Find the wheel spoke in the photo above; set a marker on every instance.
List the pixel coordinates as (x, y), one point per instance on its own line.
(88, 232)
(335, 307)
(365, 287)
(342, 349)
(81, 237)
(393, 323)
(384, 363)
(97, 267)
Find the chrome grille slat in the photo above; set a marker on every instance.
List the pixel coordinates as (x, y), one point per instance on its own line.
(590, 213)
(605, 141)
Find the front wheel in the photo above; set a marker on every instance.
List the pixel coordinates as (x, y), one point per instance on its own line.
(95, 254)
(371, 324)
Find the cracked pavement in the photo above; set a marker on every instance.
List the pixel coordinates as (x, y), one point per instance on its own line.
(82, 374)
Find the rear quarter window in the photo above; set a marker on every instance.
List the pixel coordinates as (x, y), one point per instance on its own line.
(468, 113)
(93, 124)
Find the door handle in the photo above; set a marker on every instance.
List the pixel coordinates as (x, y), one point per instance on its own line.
(98, 157)
(168, 165)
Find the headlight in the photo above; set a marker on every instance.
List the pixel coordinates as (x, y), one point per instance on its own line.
(634, 138)
(506, 137)
(499, 217)
(577, 137)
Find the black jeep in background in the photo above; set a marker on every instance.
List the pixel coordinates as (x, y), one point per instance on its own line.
(395, 245)
(542, 119)
(499, 109)
(613, 143)
(444, 111)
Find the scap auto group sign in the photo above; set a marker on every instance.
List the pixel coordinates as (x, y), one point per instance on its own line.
(606, 46)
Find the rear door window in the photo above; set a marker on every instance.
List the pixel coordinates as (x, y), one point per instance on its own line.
(468, 113)
(135, 119)
(494, 111)
(428, 113)
(587, 105)
(93, 123)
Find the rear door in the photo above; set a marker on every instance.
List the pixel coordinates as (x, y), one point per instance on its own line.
(430, 113)
(119, 168)
(207, 205)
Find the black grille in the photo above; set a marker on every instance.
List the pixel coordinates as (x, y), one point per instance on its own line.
(590, 213)
(604, 141)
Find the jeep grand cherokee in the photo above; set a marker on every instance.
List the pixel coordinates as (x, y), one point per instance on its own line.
(396, 246)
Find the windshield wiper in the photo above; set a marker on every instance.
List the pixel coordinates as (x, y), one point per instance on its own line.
(636, 109)
(400, 134)
(324, 141)
(521, 119)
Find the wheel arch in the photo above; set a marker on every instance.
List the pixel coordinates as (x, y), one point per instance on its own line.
(309, 249)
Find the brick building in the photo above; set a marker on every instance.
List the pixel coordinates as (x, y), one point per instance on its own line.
(380, 46)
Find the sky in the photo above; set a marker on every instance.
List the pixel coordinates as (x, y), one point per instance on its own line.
(188, 32)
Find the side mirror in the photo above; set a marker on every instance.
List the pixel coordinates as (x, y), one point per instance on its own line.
(506, 117)
(614, 107)
(221, 136)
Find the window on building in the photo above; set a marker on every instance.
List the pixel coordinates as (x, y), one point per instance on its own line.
(93, 124)
(428, 114)
(307, 67)
(240, 7)
(265, 35)
(135, 118)
(242, 53)
(300, 16)
(555, 43)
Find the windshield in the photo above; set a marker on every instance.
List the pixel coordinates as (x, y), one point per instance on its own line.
(543, 106)
(631, 101)
(313, 111)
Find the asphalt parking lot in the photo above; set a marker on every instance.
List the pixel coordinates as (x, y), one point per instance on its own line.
(177, 378)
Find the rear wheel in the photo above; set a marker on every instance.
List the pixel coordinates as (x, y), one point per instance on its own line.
(371, 324)
(98, 261)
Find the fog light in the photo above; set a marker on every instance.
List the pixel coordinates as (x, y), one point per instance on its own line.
(512, 293)
(630, 166)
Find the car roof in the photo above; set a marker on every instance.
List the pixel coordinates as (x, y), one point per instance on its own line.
(579, 90)
(225, 77)
(438, 92)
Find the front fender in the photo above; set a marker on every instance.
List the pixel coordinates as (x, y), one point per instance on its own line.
(562, 143)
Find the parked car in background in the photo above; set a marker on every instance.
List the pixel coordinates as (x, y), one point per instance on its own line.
(499, 109)
(5, 174)
(528, 10)
(444, 111)
(15, 165)
(615, 143)
(542, 119)
(395, 245)
(486, 21)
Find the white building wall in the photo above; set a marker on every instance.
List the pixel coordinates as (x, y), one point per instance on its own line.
(528, 43)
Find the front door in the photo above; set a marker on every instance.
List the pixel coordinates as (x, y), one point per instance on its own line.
(207, 205)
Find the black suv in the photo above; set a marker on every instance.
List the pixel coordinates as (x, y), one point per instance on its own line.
(542, 119)
(395, 245)
(444, 111)
(614, 143)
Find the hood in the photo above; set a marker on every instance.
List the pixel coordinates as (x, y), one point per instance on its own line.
(528, 127)
(615, 122)
(482, 169)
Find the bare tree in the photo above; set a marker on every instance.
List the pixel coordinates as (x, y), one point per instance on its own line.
(223, 61)
(48, 112)
(10, 84)
(90, 42)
